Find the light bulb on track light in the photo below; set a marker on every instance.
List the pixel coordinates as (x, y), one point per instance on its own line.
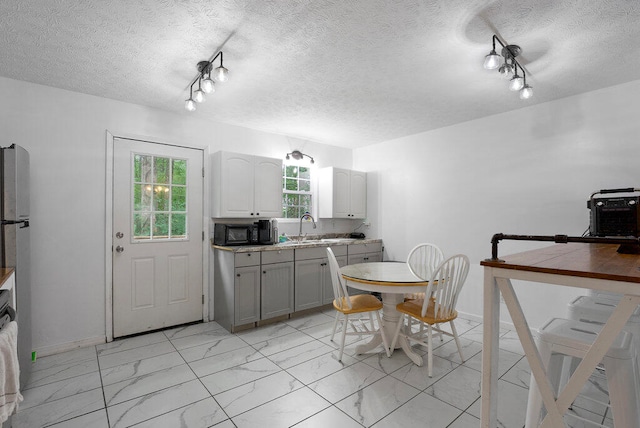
(526, 92)
(198, 96)
(492, 61)
(221, 74)
(190, 104)
(516, 83)
(207, 85)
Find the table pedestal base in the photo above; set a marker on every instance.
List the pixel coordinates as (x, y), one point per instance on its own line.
(390, 319)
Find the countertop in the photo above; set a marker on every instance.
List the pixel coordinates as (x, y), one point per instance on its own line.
(292, 245)
(600, 261)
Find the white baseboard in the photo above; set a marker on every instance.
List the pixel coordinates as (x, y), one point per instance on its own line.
(69, 346)
(478, 318)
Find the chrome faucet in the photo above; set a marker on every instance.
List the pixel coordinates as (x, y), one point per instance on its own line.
(305, 215)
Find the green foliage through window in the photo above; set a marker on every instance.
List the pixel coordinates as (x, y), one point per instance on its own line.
(159, 198)
(296, 191)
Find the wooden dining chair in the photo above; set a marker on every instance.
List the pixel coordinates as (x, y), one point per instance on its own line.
(444, 287)
(346, 305)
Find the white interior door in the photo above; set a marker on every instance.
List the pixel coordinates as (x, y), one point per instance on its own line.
(157, 236)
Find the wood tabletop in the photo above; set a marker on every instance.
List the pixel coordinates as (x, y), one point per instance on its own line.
(4, 274)
(600, 261)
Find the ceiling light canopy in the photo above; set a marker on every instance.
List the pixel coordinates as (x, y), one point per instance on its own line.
(509, 67)
(206, 84)
(298, 155)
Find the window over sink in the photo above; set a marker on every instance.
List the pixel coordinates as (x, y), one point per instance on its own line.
(297, 196)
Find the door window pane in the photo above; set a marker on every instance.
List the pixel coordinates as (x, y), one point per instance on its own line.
(142, 226)
(178, 225)
(161, 170)
(179, 198)
(142, 197)
(161, 226)
(159, 192)
(179, 171)
(142, 168)
(161, 198)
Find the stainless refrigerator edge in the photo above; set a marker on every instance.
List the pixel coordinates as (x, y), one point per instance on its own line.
(15, 243)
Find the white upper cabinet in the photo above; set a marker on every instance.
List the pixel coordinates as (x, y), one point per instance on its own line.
(267, 187)
(342, 193)
(245, 186)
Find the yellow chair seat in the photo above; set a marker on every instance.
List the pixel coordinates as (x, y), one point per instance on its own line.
(413, 308)
(359, 303)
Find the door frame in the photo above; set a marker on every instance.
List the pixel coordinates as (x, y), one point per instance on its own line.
(108, 248)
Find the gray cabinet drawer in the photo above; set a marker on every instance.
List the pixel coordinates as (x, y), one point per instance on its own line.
(247, 259)
(339, 250)
(319, 252)
(277, 256)
(365, 248)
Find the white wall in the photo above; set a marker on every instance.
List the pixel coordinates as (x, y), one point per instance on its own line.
(64, 133)
(529, 171)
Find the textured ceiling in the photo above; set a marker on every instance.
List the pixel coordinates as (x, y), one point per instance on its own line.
(341, 72)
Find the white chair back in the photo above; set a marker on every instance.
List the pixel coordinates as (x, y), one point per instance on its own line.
(445, 285)
(340, 293)
(423, 259)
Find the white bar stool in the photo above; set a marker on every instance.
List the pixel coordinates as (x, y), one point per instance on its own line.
(560, 338)
(605, 294)
(598, 308)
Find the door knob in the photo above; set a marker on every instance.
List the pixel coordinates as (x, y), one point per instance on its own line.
(119, 235)
(119, 249)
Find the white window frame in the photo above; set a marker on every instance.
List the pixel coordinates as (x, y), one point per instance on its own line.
(312, 192)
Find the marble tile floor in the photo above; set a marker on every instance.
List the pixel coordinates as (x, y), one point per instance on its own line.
(280, 375)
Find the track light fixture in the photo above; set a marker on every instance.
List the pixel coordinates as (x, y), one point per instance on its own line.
(509, 67)
(298, 155)
(206, 84)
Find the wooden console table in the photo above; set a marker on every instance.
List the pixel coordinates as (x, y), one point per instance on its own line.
(593, 266)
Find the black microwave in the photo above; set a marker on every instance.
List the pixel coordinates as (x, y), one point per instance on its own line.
(242, 234)
(234, 234)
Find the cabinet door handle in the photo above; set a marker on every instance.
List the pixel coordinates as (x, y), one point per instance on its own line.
(264, 271)
(323, 264)
(238, 275)
(257, 213)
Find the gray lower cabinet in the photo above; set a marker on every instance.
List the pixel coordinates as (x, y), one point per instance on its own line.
(365, 253)
(247, 295)
(254, 286)
(236, 288)
(312, 276)
(277, 283)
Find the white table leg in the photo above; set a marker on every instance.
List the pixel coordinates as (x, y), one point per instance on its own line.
(531, 351)
(491, 329)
